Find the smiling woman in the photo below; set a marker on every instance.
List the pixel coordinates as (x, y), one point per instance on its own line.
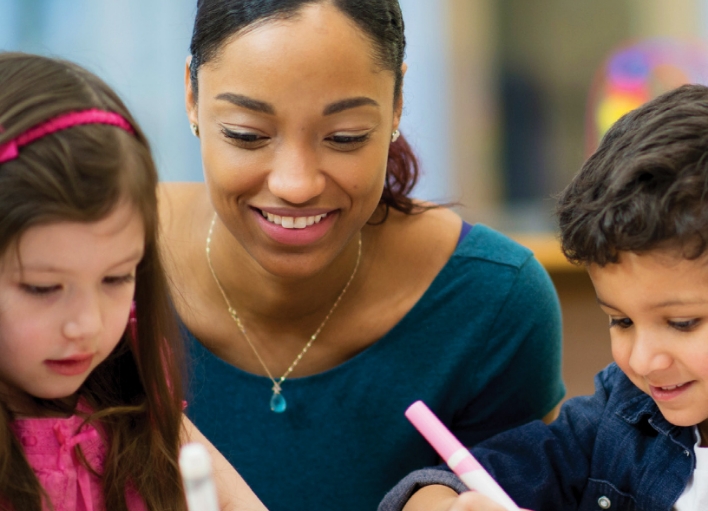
(307, 277)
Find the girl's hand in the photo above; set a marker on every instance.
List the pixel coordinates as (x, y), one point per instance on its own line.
(233, 492)
(442, 498)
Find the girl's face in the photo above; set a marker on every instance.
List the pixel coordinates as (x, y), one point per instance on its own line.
(657, 305)
(65, 297)
(295, 121)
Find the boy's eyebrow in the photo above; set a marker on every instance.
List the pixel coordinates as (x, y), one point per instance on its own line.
(671, 303)
(600, 302)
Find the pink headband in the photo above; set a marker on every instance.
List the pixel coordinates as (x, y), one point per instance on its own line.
(10, 150)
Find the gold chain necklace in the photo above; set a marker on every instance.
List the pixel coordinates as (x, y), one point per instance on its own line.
(277, 401)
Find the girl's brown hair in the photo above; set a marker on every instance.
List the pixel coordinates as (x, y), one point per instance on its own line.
(80, 174)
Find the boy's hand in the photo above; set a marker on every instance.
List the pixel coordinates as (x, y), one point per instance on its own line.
(442, 498)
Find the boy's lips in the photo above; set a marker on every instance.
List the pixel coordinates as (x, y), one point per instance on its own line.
(70, 366)
(669, 392)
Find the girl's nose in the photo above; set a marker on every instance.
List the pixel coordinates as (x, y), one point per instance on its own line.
(84, 318)
(296, 177)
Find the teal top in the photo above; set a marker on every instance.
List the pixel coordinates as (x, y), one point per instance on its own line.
(482, 348)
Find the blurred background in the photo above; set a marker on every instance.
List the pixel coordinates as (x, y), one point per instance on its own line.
(504, 99)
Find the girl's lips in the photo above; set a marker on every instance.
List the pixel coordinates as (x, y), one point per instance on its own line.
(302, 228)
(71, 366)
(669, 392)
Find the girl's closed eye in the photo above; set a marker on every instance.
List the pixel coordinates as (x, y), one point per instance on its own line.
(39, 290)
(117, 280)
(621, 322)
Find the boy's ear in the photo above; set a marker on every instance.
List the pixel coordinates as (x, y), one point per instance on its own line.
(190, 98)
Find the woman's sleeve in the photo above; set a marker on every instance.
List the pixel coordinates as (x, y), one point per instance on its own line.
(521, 361)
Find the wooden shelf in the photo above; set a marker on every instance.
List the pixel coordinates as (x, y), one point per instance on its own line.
(546, 248)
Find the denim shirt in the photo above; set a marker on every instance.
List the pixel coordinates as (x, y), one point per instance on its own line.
(611, 450)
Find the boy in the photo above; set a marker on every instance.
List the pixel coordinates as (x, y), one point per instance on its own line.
(637, 217)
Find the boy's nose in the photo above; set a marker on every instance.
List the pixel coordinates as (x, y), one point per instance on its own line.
(295, 177)
(649, 353)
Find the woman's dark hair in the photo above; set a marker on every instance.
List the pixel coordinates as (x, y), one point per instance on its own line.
(645, 187)
(81, 174)
(217, 21)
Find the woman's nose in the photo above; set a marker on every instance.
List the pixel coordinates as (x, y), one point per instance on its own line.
(295, 176)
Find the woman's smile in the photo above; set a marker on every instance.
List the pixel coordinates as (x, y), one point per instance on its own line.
(294, 227)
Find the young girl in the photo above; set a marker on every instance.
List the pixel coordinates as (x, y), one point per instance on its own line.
(90, 394)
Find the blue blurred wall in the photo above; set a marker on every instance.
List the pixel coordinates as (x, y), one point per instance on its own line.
(139, 47)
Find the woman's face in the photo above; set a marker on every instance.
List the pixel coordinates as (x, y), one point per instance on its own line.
(295, 121)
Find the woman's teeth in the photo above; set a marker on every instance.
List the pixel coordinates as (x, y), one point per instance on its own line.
(293, 222)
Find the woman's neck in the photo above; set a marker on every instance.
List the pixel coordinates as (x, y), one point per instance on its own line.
(296, 294)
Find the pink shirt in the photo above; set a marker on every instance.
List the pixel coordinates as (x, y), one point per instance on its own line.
(49, 448)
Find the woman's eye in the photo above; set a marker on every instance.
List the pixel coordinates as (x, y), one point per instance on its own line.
(245, 139)
(684, 326)
(39, 290)
(348, 142)
(119, 279)
(621, 322)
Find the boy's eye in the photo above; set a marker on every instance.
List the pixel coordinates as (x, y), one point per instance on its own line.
(684, 326)
(245, 139)
(39, 290)
(621, 322)
(119, 279)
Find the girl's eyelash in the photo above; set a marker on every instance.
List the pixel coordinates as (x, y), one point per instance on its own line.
(621, 322)
(121, 279)
(39, 290)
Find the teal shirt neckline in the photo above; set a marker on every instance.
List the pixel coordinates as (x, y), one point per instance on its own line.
(343, 441)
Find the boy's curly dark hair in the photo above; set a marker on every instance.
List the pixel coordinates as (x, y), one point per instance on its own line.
(645, 187)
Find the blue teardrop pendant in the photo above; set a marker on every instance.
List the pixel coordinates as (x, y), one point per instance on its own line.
(277, 402)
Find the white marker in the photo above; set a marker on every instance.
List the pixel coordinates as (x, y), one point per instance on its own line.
(195, 465)
(457, 457)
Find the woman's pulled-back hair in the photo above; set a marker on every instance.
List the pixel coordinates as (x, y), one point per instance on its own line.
(217, 21)
(81, 174)
(645, 187)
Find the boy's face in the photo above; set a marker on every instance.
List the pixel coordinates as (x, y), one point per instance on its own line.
(657, 303)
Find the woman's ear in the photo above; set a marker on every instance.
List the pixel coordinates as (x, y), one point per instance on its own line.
(190, 98)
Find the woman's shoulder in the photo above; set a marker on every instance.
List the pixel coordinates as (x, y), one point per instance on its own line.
(490, 245)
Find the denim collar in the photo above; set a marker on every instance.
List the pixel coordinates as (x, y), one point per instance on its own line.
(637, 407)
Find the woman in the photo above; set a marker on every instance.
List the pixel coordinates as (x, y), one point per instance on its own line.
(319, 299)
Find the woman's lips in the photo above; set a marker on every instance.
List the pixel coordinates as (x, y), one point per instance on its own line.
(289, 228)
(293, 222)
(71, 366)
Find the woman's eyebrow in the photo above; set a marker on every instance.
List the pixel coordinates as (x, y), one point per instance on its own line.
(246, 102)
(345, 104)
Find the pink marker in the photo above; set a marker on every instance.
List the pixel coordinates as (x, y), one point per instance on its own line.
(457, 457)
